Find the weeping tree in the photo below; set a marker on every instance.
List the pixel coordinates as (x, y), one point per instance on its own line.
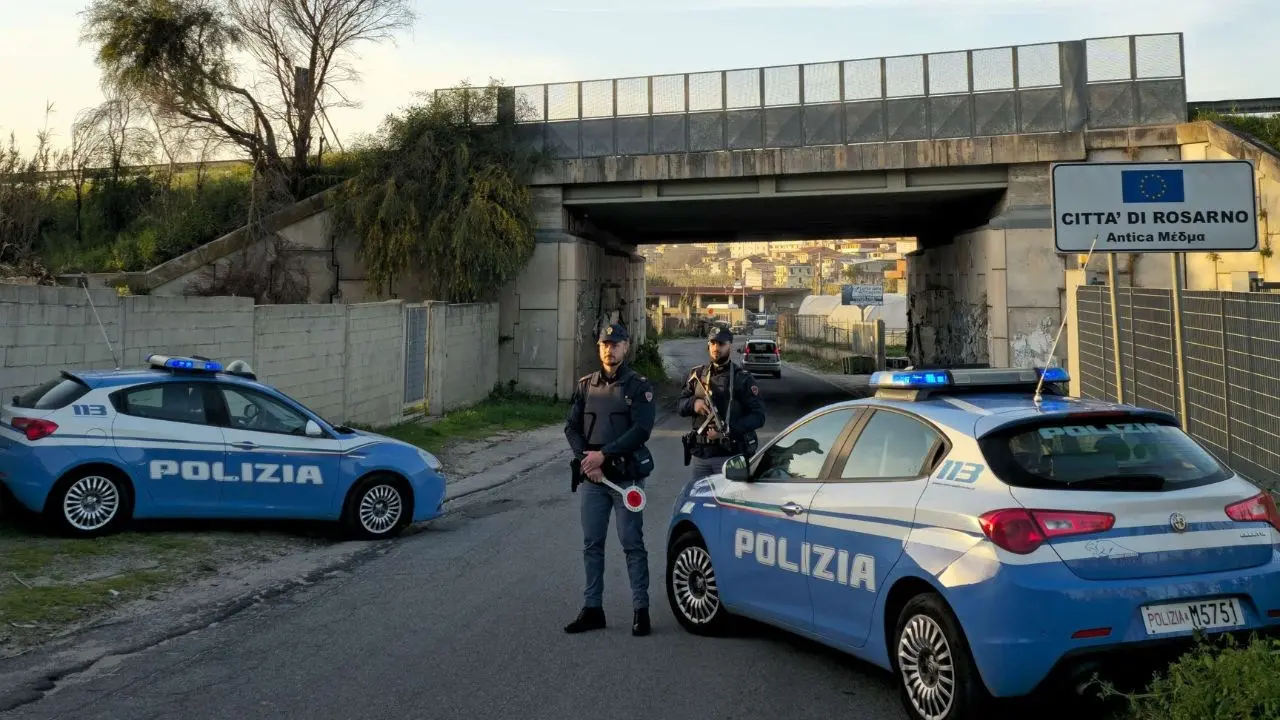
(442, 192)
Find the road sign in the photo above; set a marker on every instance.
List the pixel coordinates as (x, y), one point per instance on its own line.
(1199, 206)
(862, 294)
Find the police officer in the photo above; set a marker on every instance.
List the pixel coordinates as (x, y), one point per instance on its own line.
(743, 415)
(608, 425)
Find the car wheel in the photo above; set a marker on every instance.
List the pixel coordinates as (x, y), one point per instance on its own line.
(379, 507)
(692, 589)
(89, 503)
(936, 673)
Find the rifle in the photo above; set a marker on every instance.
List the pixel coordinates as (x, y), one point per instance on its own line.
(691, 438)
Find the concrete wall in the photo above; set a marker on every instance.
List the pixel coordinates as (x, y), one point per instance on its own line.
(465, 351)
(345, 362)
(304, 347)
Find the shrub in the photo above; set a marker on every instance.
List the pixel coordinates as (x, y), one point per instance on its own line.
(648, 360)
(1213, 681)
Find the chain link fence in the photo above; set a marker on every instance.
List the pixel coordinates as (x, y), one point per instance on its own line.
(1231, 358)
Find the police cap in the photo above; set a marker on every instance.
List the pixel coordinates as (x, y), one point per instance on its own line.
(617, 332)
(720, 335)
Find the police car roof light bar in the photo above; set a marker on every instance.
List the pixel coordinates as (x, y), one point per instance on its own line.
(168, 362)
(965, 379)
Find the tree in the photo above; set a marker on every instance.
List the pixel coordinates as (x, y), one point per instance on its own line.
(443, 190)
(177, 54)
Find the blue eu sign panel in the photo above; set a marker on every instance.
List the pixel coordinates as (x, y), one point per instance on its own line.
(1199, 206)
(1152, 186)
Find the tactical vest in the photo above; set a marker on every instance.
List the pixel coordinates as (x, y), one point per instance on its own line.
(606, 409)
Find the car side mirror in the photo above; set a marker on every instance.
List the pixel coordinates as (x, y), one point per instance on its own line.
(313, 429)
(736, 469)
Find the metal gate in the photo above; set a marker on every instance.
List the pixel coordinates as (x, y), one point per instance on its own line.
(415, 355)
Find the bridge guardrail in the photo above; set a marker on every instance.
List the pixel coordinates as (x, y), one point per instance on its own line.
(1108, 82)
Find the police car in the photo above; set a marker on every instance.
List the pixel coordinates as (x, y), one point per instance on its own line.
(186, 438)
(977, 538)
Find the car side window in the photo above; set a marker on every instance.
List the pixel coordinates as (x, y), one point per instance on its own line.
(891, 445)
(801, 453)
(172, 402)
(252, 410)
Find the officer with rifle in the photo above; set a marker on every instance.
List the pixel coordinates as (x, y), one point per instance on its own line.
(608, 425)
(724, 401)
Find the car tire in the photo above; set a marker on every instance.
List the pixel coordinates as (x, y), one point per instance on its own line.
(378, 507)
(88, 503)
(927, 628)
(692, 590)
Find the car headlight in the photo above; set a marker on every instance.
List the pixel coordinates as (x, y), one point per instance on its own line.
(432, 461)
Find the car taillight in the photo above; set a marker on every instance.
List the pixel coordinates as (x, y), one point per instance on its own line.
(1259, 508)
(34, 427)
(1022, 531)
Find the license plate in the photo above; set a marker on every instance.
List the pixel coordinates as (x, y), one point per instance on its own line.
(1192, 615)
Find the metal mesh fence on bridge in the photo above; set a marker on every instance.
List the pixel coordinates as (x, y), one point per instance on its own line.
(1094, 83)
(1231, 360)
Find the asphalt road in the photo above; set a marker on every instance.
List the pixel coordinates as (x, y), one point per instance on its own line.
(463, 620)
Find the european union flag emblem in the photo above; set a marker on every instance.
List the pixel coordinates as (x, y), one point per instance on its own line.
(1152, 186)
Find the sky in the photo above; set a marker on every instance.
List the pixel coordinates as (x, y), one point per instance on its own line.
(534, 41)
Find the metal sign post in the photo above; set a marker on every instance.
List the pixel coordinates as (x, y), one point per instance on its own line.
(1173, 207)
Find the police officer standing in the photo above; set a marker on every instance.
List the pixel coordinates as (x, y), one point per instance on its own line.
(736, 397)
(608, 425)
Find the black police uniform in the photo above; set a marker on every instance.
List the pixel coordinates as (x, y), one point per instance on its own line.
(744, 415)
(614, 415)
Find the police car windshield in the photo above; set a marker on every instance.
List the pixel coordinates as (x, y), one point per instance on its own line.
(1114, 454)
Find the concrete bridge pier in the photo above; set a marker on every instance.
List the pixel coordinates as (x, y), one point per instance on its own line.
(579, 279)
(993, 294)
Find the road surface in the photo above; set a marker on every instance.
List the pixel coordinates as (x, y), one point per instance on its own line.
(464, 620)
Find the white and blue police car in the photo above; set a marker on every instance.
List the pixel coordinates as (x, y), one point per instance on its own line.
(979, 534)
(186, 438)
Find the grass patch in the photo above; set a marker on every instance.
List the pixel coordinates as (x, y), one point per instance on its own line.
(813, 362)
(505, 410)
(48, 582)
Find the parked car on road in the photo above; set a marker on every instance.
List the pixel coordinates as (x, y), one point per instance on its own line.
(762, 356)
(184, 438)
(977, 540)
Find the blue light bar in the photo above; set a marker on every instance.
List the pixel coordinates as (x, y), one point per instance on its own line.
(1055, 374)
(911, 378)
(966, 378)
(183, 363)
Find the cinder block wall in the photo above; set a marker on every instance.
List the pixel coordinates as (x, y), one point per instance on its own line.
(345, 362)
(302, 350)
(375, 361)
(466, 352)
(44, 329)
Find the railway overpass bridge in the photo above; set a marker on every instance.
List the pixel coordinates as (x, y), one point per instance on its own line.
(951, 147)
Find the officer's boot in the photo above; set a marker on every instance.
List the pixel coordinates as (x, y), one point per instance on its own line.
(589, 619)
(640, 622)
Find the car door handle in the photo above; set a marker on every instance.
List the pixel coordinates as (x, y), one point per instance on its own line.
(792, 509)
(244, 445)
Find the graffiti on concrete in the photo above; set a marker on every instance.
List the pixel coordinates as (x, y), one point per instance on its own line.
(1033, 348)
(944, 329)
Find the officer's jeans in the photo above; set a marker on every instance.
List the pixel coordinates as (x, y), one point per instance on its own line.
(702, 467)
(598, 503)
